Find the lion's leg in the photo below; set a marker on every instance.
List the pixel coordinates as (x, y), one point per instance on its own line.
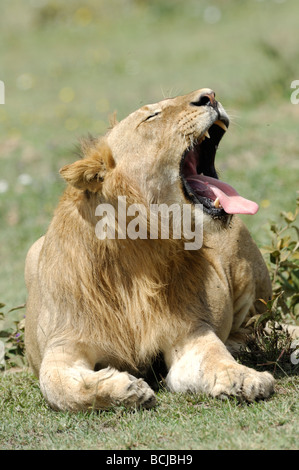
(203, 364)
(68, 382)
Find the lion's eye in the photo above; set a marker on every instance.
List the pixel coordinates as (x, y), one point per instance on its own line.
(152, 116)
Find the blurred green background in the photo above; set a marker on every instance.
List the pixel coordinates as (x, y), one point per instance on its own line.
(67, 66)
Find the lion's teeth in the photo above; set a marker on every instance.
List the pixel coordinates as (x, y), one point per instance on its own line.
(221, 124)
(206, 134)
(217, 202)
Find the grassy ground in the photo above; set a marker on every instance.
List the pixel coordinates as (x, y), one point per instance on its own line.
(66, 67)
(178, 422)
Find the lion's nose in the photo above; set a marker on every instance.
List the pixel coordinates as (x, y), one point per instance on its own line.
(206, 98)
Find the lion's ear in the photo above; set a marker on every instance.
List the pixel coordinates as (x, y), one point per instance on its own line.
(89, 173)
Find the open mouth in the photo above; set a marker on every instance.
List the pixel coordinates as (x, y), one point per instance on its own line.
(200, 181)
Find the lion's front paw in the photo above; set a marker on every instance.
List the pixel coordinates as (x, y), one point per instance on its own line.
(135, 392)
(242, 382)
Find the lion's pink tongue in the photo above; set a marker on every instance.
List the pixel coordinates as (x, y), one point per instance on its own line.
(228, 197)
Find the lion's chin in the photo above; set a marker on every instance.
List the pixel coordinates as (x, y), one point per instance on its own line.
(213, 224)
(210, 224)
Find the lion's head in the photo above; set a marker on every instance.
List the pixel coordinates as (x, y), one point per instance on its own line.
(167, 151)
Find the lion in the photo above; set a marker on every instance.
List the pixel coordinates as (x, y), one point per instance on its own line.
(101, 310)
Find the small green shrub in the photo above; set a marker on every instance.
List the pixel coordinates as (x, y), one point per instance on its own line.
(283, 263)
(12, 347)
(273, 346)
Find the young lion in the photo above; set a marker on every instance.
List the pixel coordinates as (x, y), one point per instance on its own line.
(101, 309)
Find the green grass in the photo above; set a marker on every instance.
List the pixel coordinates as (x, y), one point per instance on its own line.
(178, 422)
(66, 67)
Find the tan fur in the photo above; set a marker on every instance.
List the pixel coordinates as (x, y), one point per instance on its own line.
(99, 311)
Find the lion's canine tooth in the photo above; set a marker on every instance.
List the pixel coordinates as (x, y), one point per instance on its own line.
(206, 134)
(217, 202)
(221, 124)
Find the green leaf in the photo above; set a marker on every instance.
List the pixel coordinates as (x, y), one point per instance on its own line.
(294, 300)
(289, 217)
(274, 228)
(274, 255)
